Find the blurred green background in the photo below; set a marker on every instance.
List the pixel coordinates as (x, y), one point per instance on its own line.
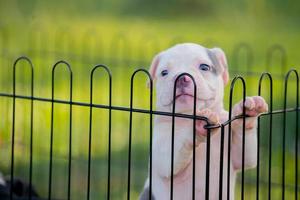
(257, 36)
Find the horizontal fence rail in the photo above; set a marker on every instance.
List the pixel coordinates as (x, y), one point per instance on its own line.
(224, 175)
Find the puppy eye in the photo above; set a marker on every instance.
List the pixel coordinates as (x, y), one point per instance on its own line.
(204, 67)
(164, 72)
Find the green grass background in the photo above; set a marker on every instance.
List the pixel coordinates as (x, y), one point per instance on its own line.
(125, 35)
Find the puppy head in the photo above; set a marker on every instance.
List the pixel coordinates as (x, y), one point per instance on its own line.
(208, 67)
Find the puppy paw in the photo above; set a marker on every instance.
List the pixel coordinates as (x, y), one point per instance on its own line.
(213, 119)
(254, 106)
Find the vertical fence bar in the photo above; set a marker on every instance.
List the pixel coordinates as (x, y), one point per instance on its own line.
(130, 128)
(268, 75)
(70, 129)
(207, 165)
(243, 140)
(297, 136)
(283, 140)
(31, 133)
(129, 140)
(51, 139)
(194, 140)
(151, 121)
(173, 131)
(172, 138)
(90, 129)
(70, 136)
(13, 125)
(284, 132)
(229, 144)
(258, 158)
(243, 136)
(109, 139)
(221, 163)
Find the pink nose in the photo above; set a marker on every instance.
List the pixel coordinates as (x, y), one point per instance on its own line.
(184, 81)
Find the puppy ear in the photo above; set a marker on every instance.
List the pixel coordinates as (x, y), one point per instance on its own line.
(153, 68)
(222, 61)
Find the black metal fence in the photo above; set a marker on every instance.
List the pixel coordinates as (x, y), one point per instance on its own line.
(276, 175)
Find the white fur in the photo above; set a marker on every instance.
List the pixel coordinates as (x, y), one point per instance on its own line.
(210, 88)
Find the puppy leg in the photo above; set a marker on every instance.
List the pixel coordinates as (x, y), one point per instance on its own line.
(253, 107)
(183, 142)
(201, 132)
(162, 151)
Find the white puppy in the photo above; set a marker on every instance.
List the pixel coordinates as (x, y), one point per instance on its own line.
(208, 67)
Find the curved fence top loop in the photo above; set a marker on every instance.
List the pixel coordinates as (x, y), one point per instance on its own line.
(144, 71)
(232, 85)
(185, 74)
(287, 76)
(286, 80)
(233, 82)
(106, 69)
(62, 62)
(20, 59)
(262, 77)
(141, 70)
(23, 58)
(271, 53)
(195, 92)
(195, 97)
(101, 66)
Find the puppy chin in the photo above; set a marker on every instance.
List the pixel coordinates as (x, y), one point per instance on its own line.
(185, 104)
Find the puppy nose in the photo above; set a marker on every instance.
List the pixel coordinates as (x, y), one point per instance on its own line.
(184, 81)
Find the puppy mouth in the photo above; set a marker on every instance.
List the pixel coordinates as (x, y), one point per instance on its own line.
(190, 97)
(187, 95)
